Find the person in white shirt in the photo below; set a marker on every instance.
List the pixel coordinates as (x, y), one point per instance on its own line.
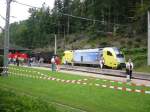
(129, 68)
(101, 62)
(41, 60)
(53, 63)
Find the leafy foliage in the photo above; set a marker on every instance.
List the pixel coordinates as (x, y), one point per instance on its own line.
(138, 56)
(126, 18)
(12, 102)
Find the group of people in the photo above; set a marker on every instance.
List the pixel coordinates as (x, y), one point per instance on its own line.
(55, 63)
(17, 58)
(16, 61)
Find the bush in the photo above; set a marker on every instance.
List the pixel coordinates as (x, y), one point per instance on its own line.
(1, 63)
(135, 50)
(122, 42)
(104, 44)
(136, 45)
(129, 43)
(138, 40)
(14, 102)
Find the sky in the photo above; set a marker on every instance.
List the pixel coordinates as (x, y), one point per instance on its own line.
(19, 12)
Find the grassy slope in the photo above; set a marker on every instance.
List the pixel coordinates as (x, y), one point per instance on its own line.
(139, 58)
(89, 98)
(94, 40)
(143, 69)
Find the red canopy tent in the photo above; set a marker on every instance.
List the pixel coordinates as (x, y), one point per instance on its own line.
(17, 54)
(23, 55)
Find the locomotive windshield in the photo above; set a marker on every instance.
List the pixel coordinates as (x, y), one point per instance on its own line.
(118, 53)
(120, 56)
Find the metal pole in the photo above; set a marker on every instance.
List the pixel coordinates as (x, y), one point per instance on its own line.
(68, 25)
(55, 45)
(64, 39)
(6, 39)
(148, 37)
(68, 19)
(142, 3)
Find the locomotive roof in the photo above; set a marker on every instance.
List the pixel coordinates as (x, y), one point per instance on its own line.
(89, 50)
(92, 50)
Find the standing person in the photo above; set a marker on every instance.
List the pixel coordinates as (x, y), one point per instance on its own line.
(53, 63)
(30, 60)
(65, 62)
(17, 61)
(14, 59)
(101, 62)
(41, 60)
(129, 69)
(58, 62)
(9, 58)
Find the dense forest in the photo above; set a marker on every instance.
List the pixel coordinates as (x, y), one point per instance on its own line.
(83, 24)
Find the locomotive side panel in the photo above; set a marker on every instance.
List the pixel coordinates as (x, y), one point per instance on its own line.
(88, 56)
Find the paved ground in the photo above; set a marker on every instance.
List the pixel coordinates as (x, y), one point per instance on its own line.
(136, 81)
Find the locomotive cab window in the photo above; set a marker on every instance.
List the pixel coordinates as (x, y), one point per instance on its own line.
(109, 53)
(120, 55)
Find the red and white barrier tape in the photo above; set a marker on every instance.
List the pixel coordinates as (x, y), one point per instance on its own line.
(84, 83)
(45, 77)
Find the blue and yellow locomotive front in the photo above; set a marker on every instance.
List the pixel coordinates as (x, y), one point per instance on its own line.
(113, 57)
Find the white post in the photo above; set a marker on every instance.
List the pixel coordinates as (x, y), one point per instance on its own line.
(55, 45)
(148, 37)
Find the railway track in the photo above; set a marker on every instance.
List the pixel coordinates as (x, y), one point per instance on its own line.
(110, 72)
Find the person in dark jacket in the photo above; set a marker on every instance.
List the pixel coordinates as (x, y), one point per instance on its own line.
(17, 61)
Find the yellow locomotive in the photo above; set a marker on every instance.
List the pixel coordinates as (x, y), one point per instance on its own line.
(112, 56)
